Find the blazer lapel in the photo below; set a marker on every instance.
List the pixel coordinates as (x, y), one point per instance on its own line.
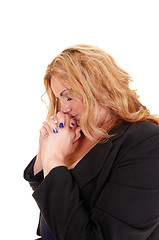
(97, 158)
(90, 166)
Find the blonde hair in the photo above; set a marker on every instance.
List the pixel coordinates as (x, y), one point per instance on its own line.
(96, 79)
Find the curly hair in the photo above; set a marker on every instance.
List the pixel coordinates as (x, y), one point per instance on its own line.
(96, 79)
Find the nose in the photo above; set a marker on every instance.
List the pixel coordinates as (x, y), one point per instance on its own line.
(65, 107)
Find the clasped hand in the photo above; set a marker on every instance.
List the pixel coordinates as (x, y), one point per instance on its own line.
(58, 138)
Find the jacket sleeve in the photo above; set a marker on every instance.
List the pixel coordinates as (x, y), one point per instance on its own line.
(34, 180)
(127, 208)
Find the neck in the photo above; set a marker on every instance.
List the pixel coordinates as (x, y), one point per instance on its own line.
(84, 146)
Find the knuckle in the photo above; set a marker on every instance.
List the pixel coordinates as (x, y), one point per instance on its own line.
(53, 116)
(43, 129)
(46, 126)
(50, 123)
(60, 115)
(44, 123)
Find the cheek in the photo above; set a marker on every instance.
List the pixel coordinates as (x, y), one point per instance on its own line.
(78, 106)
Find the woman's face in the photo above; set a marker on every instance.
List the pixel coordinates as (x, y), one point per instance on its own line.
(72, 107)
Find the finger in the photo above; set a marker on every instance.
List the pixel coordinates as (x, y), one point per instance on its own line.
(77, 134)
(73, 123)
(52, 125)
(47, 126)
(55, 119)
(69, 122)
(61, 117)
(44, 132)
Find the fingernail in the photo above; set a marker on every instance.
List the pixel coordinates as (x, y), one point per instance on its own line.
(45, 134)
(72, 124)
(61, 125)
(55, 130)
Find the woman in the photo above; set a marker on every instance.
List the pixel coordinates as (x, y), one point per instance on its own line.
(96, 173)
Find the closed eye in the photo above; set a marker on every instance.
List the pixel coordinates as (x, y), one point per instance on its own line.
(68, 98)
(64, 96)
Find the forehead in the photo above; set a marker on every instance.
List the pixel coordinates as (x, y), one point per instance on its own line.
(58, 84)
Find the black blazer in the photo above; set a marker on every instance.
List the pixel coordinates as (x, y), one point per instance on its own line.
(111, 194)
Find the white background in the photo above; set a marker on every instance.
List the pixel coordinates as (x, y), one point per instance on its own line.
(32, 33)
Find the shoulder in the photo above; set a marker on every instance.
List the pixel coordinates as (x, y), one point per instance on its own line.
(137, 156)
(136, 133)
(142, 132)
(144, 128)
(137, 137)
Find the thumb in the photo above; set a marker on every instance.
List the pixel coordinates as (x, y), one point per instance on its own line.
(77, 134)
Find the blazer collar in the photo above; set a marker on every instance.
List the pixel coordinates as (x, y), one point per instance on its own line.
(92, 163)
(119, 130)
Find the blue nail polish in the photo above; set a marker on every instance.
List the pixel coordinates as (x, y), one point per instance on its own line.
(55, 130)
(61, 125)
(72, 124)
